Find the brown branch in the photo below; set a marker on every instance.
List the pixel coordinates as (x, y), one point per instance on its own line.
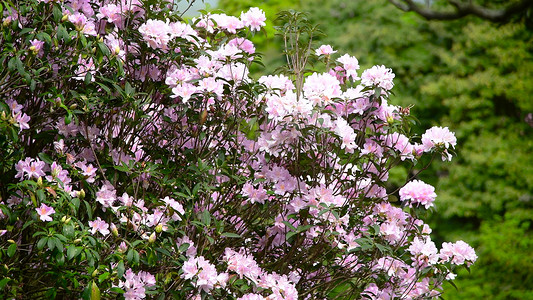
(462, 9)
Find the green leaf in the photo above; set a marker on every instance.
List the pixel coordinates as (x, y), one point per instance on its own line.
(95, 292)
(45, 157)
(68, 230)
(290, 234)
(103, 277)
(73, 251)
(88, 78)
(41, 196)
(136, 257)
(129, 255)
(62, 33)
(117, 290)
(58, 244)
(57, 13)
(3, 283)
(163, 251)
(51, 243)
(129, 89)
(230, 235)
(42, 242)
(206, 217)
(120, 269)
(11, 250)
(183, 247)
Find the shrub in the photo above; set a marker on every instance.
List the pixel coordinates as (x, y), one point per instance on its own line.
(140, 159)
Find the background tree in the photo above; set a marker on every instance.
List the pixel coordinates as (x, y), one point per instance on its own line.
(475, 77)
(500, 11)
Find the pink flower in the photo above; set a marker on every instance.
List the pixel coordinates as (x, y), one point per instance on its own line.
(254, 18)
(418, 192)
(106, 195)
(113, 14)
(22, 120)
(243, 44)
(204, 272)
(44, 212)
(458, 253)
(439, 137)
(100, 226)
(79, 20)
(34, 169)
(322, 88)
(230, 23)
(325, 50)
(156, 33)
(135, 285)
(424, 252)
(378, 76)
(350, 65)
(36, 45)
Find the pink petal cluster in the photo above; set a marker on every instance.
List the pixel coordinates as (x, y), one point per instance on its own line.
(99, 225)
(135, 285)
(418, 192)
(458, 253)
(350, 64)
(30, 168)
(424, 252)
(204, 273)
(439, 137)
(44, 212)
(378, 76)
(254, 18)
(325, 50)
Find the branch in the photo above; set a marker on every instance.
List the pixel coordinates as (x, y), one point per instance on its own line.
(462, 9)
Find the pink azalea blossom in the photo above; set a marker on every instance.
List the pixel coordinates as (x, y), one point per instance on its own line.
(254, 18)
(378, 76)
(100, 226)
(458, 253)
(44, 212)
(418, 192)
(325, 50)
(439, 137)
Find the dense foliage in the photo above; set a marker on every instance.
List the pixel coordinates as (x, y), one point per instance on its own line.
(475, 77)
(140, 160)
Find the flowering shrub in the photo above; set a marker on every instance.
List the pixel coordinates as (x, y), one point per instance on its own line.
(140, 160)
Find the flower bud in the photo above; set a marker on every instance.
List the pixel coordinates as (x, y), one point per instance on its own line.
(6, 22)
(152, 238)
(81, 194)
(11, 241)
(77, 241)
(34, 50)
(114, 229)
(95, 272)
(40, 181)
(122, 247)
(159, 228)
(65, 17)
(203, 117)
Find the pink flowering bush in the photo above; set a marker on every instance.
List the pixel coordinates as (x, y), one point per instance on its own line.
(140, 160)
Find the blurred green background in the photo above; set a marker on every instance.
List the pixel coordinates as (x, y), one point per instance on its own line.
(474, 76)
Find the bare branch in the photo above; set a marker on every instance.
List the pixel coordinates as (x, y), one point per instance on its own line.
(462, 9)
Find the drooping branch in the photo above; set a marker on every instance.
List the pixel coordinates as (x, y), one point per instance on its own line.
(464, 8)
